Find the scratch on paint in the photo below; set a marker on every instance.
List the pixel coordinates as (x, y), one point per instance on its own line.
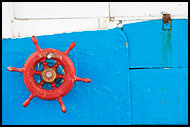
(166, 68)
(148, 89)
(126, 44)
(164, 102)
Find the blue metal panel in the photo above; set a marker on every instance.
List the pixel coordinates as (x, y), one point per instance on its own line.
(159, 96)
(101, 56)
(150, 46)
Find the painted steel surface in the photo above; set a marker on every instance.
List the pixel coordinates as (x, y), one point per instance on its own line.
(157, 93)
(98, 56)
(151, 46)
(159, 96)
(159, 72)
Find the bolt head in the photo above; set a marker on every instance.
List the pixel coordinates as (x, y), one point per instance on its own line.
(49, 74)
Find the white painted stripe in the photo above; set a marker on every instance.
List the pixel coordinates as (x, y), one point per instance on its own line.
(24, 19)
(40, 10)
(6, 20)
(24, 28)
(148, 9)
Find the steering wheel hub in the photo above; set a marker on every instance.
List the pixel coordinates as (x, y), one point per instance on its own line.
(48, 75)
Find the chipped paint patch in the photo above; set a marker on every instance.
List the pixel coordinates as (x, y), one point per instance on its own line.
(126, 44)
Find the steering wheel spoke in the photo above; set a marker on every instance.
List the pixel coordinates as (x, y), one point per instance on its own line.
(53, 84)
(55, 65)
(59, 76)
(38, 73)
(41, 83)
(45, 65)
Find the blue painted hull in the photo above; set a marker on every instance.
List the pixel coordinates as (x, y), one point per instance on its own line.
(119, 92)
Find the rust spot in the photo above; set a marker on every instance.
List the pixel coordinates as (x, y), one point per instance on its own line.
(164, 102)
(112, 18)
(166, 68)
(166, 19)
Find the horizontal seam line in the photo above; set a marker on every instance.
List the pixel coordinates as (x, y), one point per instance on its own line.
(58, 18)
(157, 68)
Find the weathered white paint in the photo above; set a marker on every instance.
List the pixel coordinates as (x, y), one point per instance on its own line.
(145, 10)
(28, 10)
(6, 20)
(23, 19)
(24, 28)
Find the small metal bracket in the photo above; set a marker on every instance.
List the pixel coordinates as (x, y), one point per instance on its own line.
(167, 22)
